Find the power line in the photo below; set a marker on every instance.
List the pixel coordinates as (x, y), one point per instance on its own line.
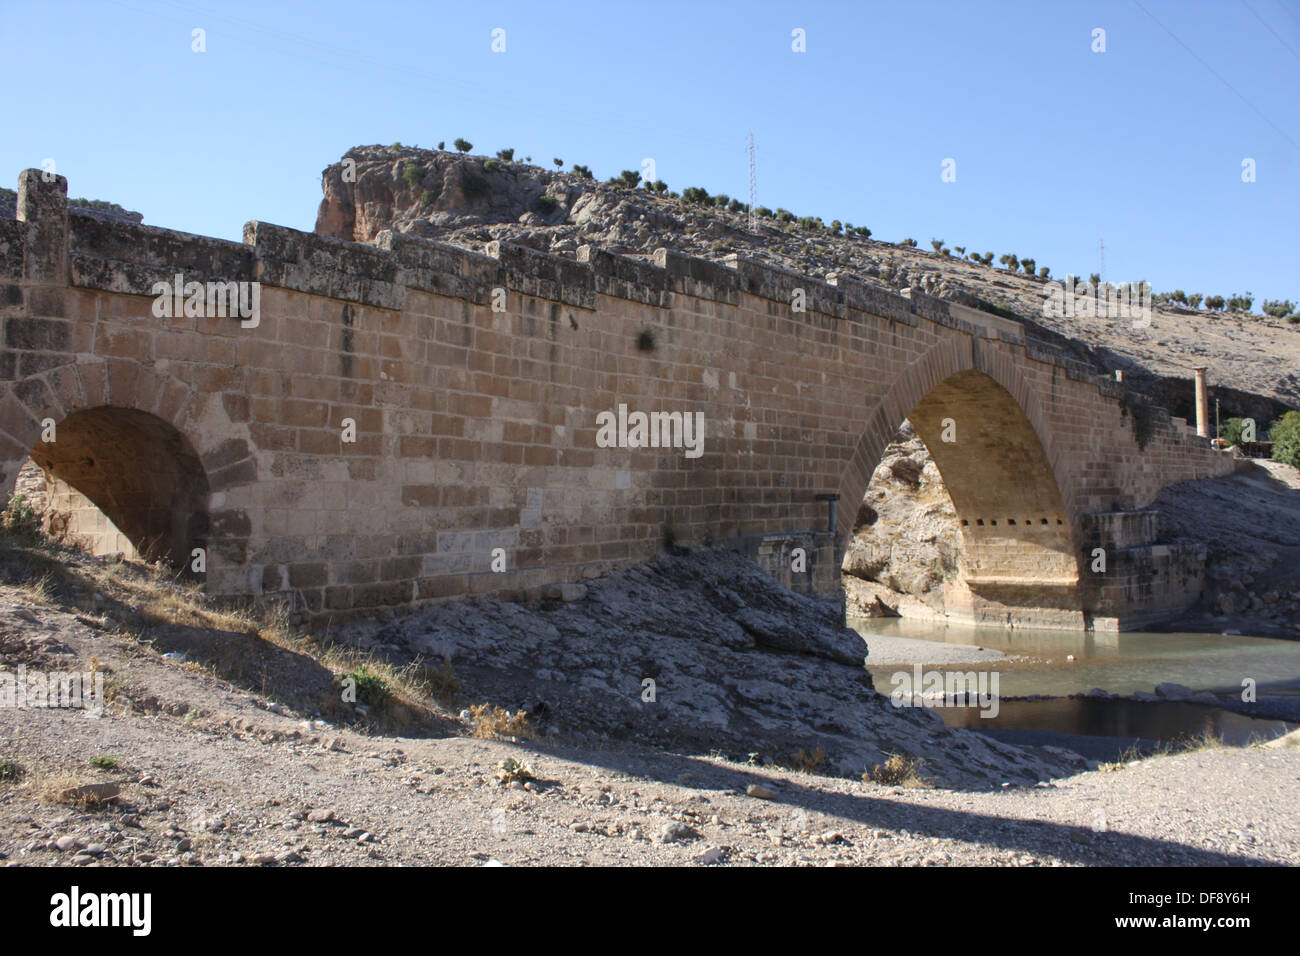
(1280, 131)
(1270, 29)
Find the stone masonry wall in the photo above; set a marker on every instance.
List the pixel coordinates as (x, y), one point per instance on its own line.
(476, 429)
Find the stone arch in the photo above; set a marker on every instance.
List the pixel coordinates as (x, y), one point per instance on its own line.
(1020, 560)
(150, 452)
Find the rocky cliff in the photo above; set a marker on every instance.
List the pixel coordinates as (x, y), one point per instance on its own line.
(1253, 361)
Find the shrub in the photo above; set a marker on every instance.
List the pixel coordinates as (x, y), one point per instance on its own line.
(22, 522)
(1240, 303)
(1010, 261)
(429, 196)
(1044, 272)
(370, 687)
(899, 771)
(910, 243)
(492, 721)
(395, 147)
(491, 166)
(763, 212)
(1029, 266)
(546, 204)
(784, 215)
(659, 186)
(937, 244)
(862, 231)
(629, 178)
(1214, 302)
(10, 770)
(1231, 431)
(1278, 308)
(583, 171)
(476, 186)
(736, 206)
(412, 174)
(721, 199)
(696, 194)
(1285, 435)
(104, 762)
(463, 145)
(505, 155)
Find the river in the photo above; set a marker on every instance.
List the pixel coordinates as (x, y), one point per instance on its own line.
(1040, 664)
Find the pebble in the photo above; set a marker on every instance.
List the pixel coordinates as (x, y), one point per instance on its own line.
(674, 832)
(713, 855)
(761, 791)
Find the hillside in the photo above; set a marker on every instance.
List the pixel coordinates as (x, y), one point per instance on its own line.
(1253, 361)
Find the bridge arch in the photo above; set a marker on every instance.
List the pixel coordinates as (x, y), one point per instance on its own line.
(983, 426)
(123, 449)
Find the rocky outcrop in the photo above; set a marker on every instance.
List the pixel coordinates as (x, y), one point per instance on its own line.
(907, 536)
(471, 200)
(696, 652)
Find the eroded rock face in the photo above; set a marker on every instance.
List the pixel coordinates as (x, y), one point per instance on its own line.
(735, 663)
(908, 537)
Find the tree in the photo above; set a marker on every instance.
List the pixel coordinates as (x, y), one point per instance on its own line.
(628, 178)
(463, 145)
(1044, 272)
(1278, 308)
(836, 227)
(1214, 303)
(1285, 435)
(659, 186)
(505, 155)
(864, 233)
(696, 194)
(763, 212)
(1010, 260)
(442, 144)
(1029, 266)
(1194, 300)
(909, 243)
(559, 163)
(937, 244)
(1230, 431)
(988, 259)
(960, 250)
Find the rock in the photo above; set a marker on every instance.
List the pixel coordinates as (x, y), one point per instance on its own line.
(1171, 691)
(676, 832)
(320, 816)
(1144, 696)
(65, 842)
(1097, 692)
(761, 791)
(91, 793)
(1204, 697)
(712, 856)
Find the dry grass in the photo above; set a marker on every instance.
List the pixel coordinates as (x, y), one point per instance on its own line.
(807, 762)
(900, 770)
(491, 721)
(72, 790)
(1191, 743)
(254, 646)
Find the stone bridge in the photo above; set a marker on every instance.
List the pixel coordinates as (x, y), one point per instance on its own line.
(410, 421)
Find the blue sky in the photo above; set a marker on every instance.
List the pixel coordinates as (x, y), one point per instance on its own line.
(1055, 146)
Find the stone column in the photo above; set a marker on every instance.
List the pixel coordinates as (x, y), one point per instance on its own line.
(1202, 405)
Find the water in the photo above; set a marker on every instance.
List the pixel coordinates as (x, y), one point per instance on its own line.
(1118, 663)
